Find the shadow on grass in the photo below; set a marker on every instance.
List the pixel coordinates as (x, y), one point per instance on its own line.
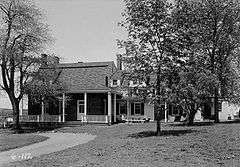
(204, 123)
(194, 124)
(34, 130)
(163, 133)
(230, 122)
(28, 129)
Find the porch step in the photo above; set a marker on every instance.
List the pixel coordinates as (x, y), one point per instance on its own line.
(79, 123)
(73, 123)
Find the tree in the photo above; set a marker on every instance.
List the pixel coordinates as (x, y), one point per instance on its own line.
(191, 89)
(209, 29)
(149, 44)
(45, 85)
(22, 37)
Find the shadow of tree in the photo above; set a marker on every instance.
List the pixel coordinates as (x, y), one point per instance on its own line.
(33, 128)
(194, 124)
(230, 122)
(163, 133)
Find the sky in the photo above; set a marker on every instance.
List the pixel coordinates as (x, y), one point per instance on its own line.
(84, 30)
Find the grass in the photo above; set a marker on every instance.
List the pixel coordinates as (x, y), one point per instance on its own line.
(10, 141)
(136, 145)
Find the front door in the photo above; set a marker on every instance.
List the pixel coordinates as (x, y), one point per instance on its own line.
(80, 109)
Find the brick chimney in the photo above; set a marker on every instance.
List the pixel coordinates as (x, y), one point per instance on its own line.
(119, 62)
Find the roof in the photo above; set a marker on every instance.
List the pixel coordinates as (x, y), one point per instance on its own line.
(89, 76)
(86, 65)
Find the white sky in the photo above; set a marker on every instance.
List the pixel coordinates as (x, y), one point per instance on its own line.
(84, 30)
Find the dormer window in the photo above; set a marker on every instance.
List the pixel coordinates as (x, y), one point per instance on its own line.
(115, 82)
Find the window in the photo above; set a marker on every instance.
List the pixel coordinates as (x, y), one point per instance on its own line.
(137, 108)
(174, 110)
(115, 82)
(80, 106)
(122, 108)
(219, 106)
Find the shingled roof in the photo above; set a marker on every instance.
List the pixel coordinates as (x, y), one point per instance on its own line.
(89, 76)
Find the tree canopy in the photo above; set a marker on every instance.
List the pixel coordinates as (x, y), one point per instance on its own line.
(191, 46)
(23, 35)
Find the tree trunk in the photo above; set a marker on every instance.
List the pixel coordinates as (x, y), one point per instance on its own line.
(193, 110)
(191, 118)
(16, 111)
(158, 93)
(216, 114)
(158, 132)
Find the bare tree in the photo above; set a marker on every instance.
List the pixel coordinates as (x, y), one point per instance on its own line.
(23, 34)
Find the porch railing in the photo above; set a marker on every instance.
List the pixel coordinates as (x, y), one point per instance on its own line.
(29, 118)
(57, 118)
(40, 118)
(96, 118)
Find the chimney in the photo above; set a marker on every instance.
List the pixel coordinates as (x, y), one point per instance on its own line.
(119, 62)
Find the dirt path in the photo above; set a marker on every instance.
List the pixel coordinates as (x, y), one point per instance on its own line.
(56, 142)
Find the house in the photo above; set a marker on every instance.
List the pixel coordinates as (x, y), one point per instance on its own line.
(88, 96)
(96, 92)
(92, 95)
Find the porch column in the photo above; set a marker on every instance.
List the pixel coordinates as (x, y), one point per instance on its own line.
(85, 107)
(42, 113)
(165, 110)
(128, 109)
(42, 109)
(115, 108)
(63, 104)
(21, 108)
(110, 107)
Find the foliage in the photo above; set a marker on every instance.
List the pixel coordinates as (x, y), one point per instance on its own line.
(149, 44)
(23, 35)
(45, 85)
(190, 47)
(210, 30)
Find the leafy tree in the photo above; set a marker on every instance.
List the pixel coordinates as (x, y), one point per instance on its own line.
(191, 88)
(45, 85)
(149, 44)
(23, 34)
(209, 29)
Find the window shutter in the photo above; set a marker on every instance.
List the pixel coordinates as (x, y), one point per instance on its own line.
(117, 108)
(106, 81)
(142, 108)
(132, 108)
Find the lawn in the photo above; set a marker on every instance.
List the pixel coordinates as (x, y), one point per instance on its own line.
(135, 145)
(10, 141)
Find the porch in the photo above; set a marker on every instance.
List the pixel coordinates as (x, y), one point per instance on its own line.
(83, 107)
